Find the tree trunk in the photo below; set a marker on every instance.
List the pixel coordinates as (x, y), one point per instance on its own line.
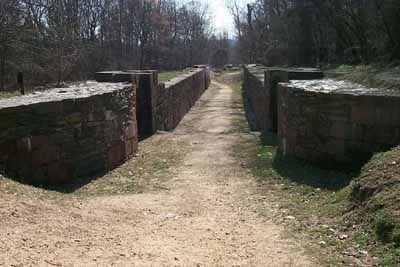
(2, 70)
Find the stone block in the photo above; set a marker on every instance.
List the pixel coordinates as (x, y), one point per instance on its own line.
(341, 130)
(38, 141)
(73, 119)
(116, 155)
(58, 173)
(130, 131)
(333, 123)
(45, 155)
(73, 139)
(176, 98)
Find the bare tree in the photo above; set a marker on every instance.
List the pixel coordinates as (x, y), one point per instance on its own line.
(9, 24)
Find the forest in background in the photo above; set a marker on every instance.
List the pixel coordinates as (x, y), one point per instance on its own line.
(52, 41)
(317, 32)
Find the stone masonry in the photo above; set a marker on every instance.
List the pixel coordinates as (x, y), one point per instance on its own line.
(176, 97)
(260, 89)
(162, 106)
(332, 122)
(60, 135)
(146, 82)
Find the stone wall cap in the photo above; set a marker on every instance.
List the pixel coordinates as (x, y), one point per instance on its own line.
(187, 73)
(112, 72)
(139, 71)
(297, 69)
(76, 91)
(333, 86)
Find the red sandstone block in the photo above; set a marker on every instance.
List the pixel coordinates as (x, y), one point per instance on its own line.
(335, 147)
(357, 132)
(340, 130)
(45, 155)
(298, 151)
(24, 145)
(363, 113)
(58, 173)
(38, 141)
(131, 131)
(291, 136)
(129, 148)
(116, 155)
(388, 113)
(7, 149)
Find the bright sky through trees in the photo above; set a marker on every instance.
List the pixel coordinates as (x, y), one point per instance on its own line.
(221, 18)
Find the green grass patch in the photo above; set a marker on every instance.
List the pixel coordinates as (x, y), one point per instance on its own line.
(375, 76)
(166, 76)
(303, 191)
(330, 219)
(154, 165)
(9, 94)
(308, 192)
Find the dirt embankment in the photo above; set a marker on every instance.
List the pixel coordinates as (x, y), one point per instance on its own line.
(375, 194)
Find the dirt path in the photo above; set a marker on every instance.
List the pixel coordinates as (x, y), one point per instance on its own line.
(208, 216)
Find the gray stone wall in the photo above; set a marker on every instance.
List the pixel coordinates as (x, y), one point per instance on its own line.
(162, 106)
(260, 89)
(176, 97)
(58, 136)
(331, 122)
(257, 97)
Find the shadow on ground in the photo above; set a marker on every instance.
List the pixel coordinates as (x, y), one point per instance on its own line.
(265, 162)
(63, 188)
(300, 171)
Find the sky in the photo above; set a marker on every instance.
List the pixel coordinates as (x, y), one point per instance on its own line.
(220, 16)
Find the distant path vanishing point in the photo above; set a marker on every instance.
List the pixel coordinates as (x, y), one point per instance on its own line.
(208, 216)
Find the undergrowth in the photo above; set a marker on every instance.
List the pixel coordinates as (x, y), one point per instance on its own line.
(375, 76)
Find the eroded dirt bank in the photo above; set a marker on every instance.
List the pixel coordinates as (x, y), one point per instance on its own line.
(206, 214)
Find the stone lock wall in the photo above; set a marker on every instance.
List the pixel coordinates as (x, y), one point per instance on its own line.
(260, 87)
(256, 97)
(57, 136)
(162, 106)
(273, 76)
(176, 97)
(330, 122)
(146, 82)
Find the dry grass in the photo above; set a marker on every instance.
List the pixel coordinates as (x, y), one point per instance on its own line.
(155, 163)
(311, 202)
(166, 76)
(9, 94)
(376, 76)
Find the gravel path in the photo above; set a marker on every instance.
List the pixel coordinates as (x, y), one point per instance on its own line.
(207, 216)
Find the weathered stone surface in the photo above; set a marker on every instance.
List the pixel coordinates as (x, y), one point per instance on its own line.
(260, 88)
(162, 106)
(256, 97)
(329, 121)
(146, 83)
(114, 76)
(176, 97)
(57, 136)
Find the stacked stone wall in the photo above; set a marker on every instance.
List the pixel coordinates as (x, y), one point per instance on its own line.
(146, 82)
(162, 106)
(256, 96)
(58, 136)
(176, 97)
(338, 126)
(260, 89)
